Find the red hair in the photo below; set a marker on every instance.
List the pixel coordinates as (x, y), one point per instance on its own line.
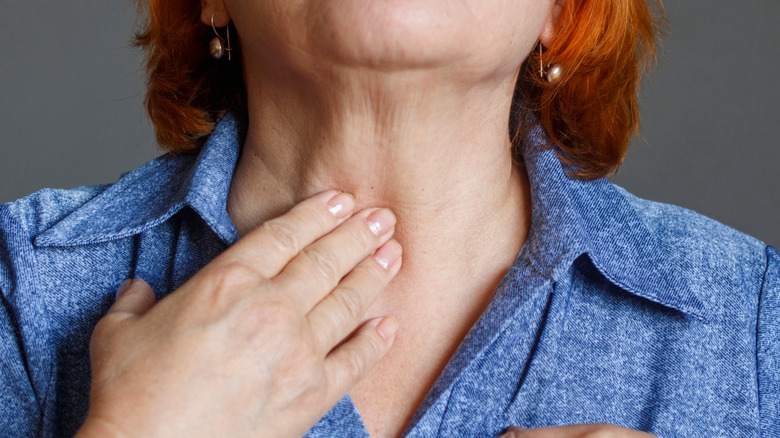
(591, 114)
(186, 91)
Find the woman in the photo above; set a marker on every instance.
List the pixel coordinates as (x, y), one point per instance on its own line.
(533, 293)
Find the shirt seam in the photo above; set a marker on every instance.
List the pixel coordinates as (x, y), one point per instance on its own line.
(758, 323)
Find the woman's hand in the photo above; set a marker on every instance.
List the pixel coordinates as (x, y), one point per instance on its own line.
(576, 431)
(258, 342)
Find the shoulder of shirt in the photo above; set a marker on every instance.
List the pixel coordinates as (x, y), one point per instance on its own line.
(663, 253)
(717, 260)
(686, 232)
(138, 190)
(140, 200)
(40, 210)
(679, 226)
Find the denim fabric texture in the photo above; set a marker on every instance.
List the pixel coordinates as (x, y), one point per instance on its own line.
(617, 309)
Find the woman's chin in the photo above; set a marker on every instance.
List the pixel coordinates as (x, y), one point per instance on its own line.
(389, 35)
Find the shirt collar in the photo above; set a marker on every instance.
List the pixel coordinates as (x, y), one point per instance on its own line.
(571, 217)
(151, 194)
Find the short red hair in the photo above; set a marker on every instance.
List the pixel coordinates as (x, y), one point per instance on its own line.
(591, 114)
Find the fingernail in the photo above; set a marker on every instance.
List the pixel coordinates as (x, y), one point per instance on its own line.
(387, 328)
(388, 254)
(124, 288)
(341, 205)
(380, 221)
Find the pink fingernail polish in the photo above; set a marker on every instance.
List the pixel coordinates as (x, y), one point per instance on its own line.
(388, 254)
(380, 221)
(341, 205)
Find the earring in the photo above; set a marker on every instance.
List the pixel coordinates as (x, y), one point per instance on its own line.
(217, 48)
(554, 72)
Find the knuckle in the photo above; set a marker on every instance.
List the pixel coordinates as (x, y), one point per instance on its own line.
(297, 369)
(323, 265)
(230, 275)
(362, 237)
(275, 318)
(320, 220)
(268, 327)
(282, 236)
(306, 385)
(354, 364)
(377, 274)
(360, 357)
(322, 341)
(350, 304)
(376, 347)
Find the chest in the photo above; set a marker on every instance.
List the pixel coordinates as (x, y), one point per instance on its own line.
(431, 328)
(389, 396)
(581, 355)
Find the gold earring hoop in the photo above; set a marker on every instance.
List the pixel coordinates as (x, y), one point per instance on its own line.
(554, 72)
(218, 46)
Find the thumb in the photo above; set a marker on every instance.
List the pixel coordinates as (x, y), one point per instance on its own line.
(134, 296)
(514, 432)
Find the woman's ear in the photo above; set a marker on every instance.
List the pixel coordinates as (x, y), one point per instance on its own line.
(216, 9)
(550, 26)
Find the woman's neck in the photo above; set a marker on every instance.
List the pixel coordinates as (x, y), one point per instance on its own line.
(436, 153)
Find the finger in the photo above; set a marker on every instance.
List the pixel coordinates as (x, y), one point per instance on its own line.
(268, 248)
(348, 363)
(512, 432)
(313, 273)
(337, 315)
(135, 297)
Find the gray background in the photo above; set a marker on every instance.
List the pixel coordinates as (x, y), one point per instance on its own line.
(71, 112)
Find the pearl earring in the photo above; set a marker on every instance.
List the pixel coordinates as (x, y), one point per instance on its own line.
(554, 72)
(217, 46)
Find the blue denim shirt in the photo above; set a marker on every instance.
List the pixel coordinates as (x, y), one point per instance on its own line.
(617, 309)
